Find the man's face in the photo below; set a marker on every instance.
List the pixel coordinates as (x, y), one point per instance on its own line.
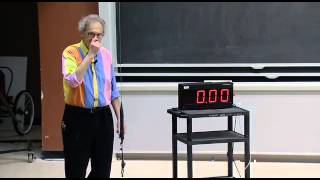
(93, 32)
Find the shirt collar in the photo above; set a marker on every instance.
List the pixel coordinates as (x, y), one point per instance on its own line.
(84, 48)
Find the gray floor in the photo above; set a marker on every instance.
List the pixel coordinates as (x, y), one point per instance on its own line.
(15, 165)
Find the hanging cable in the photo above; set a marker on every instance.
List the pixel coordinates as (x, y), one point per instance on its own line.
(121, 136)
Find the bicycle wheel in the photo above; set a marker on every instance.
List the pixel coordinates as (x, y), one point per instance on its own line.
(23, 113)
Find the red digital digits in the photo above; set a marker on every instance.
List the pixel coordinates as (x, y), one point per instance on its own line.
(214, 96)
(213, 93)
(224, 95)
(201, 96)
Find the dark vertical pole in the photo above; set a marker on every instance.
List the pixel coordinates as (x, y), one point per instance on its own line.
(247, 144)
(230, 149)
(189, 146)
(174, 147)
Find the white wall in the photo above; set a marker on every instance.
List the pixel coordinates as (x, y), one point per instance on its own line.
(19, 67)
(281, 121)
(283, 115)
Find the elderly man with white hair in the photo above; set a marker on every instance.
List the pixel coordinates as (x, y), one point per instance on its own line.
(89, 88)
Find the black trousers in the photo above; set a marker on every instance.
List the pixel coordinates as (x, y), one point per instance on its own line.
(87, 135)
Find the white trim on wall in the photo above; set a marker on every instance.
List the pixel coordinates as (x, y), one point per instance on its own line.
(238, 86)
(107, 10)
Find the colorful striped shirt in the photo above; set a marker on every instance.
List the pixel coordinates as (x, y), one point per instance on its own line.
(98, 87)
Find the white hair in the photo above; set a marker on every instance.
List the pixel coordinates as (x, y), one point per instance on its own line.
(87, 20)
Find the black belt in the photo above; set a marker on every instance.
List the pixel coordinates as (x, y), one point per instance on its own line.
(87, 110)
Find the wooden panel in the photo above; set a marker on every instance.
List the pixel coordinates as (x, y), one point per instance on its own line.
(58, 28)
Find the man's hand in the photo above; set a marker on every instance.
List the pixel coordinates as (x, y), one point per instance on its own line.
(94, 48)
(118, 127)
(90, 58)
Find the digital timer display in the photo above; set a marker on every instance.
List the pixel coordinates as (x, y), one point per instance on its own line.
(208, 95)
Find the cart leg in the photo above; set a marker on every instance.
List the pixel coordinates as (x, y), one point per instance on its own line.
(30, 157)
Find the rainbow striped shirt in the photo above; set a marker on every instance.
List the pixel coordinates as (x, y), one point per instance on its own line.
(98, 87)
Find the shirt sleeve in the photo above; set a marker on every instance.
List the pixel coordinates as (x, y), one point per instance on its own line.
(114, 90)
(69, 67)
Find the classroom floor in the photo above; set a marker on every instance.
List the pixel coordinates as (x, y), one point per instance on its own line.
(15, 165)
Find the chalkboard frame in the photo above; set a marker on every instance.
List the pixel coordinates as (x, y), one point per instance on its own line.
(122, 66)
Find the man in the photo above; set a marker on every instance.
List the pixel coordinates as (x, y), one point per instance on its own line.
(89, 88)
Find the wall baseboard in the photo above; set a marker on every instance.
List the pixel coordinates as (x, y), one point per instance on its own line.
(301, 158)
(257, 157)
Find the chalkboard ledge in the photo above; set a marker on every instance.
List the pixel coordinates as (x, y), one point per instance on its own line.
(238, 86)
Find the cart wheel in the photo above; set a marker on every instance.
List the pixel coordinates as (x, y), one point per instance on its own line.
(30, 157)
(23, 113)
